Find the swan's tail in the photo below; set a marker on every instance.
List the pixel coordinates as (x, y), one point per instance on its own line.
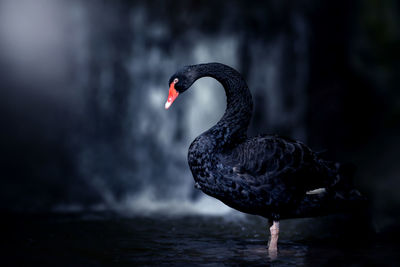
(342, 189)
(339, 180)
(339, 195)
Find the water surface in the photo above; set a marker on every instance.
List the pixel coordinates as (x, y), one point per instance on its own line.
(102, 239)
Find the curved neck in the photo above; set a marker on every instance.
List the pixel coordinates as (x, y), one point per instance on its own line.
(232, 127)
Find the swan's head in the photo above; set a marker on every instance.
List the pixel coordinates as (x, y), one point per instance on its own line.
(179, 83)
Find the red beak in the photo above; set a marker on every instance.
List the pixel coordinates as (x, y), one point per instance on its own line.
(173, 94)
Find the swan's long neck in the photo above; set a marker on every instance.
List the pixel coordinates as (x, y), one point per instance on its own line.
(232, 127)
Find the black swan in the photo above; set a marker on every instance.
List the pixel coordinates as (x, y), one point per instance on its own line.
(268, 175)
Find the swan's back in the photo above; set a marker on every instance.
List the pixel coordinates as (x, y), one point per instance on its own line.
(272, 175)
(270, 157)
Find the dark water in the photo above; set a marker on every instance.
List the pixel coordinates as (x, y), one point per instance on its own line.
(98, 239)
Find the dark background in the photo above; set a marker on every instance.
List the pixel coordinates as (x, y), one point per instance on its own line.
(83, 86)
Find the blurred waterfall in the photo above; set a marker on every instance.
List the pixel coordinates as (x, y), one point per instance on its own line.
(98, 72)
(134, 152)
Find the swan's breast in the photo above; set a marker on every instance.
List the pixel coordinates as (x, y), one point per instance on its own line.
(200, 158)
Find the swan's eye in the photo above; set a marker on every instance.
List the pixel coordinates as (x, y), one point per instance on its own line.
(176, 80)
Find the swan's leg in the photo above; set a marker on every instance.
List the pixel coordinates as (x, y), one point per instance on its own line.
(273, 241)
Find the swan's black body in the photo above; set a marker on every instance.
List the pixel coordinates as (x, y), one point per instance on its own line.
(265, 175)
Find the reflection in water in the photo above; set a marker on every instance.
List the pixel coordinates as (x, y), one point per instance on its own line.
(273, 254)
(104, 238)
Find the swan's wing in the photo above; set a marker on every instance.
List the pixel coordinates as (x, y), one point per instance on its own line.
(272, 160)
